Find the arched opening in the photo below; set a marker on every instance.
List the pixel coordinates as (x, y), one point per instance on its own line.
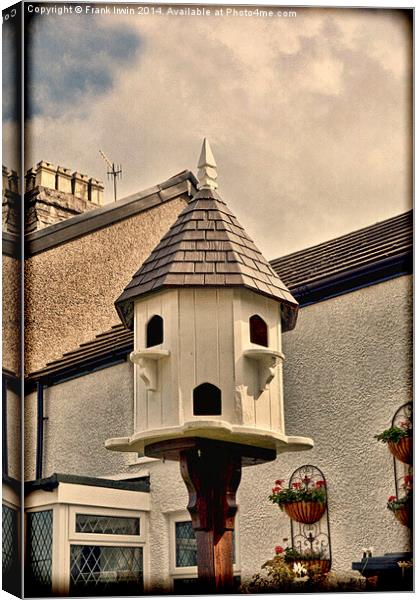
(154, 331)
(258, 331)
(207, 400)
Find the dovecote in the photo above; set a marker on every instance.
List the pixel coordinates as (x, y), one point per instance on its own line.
(208, 313)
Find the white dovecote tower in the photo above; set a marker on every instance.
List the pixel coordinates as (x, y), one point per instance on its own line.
(208, 312)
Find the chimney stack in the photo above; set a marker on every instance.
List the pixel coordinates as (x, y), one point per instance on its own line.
(55, 193)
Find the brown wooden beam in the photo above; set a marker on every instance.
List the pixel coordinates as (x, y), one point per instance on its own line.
(212, 472)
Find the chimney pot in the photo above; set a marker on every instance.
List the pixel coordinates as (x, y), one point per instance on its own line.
(80, 185)
(96, 191)
(63, 183)
(45, 174)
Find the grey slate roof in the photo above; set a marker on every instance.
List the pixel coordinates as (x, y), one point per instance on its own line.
(359, 249)
(207, 246)
(116, 339)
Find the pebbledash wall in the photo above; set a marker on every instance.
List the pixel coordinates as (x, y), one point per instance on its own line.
(347, 370)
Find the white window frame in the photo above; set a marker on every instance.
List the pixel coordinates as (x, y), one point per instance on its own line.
(192, 572)
(65, 501)
(78, 536)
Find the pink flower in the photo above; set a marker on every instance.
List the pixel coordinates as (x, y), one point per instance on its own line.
(306, 480)
(278, 550)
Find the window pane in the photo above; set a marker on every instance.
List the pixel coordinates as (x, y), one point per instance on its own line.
(39, 551)
(186, 545)
(110, 570)
(10, 557)
(106, 524)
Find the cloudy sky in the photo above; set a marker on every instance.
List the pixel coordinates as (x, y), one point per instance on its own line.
(308, 116)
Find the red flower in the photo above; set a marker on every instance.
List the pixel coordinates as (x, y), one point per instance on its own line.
(392, 498)
(276, 489)
(306, 479)
(320, 483)
(279, 482)
(278, 550)
(296, 485)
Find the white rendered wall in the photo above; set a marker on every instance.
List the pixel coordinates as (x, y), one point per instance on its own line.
(347, 370)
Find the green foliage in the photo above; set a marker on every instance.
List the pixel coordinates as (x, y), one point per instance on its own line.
(277, 576)
(292, 555)
(395, 503)
(393, 434)
(306, 491)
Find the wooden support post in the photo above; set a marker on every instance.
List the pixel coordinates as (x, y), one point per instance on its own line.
(211, 470)
(212, 478)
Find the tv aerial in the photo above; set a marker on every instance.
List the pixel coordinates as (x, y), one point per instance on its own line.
(114, 172)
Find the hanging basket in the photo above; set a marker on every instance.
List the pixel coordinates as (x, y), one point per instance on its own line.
(403, 449)
(405, 515)
(321, 565)
(307, 512)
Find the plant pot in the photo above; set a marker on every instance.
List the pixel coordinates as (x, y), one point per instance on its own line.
(403, 449)
(307, 512)
(322, 565)
(405, 515)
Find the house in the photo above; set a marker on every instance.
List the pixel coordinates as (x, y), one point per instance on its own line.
(110, 522)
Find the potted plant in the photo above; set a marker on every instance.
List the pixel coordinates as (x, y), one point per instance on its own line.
(302, 562)
(403, 507)
(303, 502)
(399, 440)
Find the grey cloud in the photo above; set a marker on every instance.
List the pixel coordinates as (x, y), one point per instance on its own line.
(72, 59)
(308, 120)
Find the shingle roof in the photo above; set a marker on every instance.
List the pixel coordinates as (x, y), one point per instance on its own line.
(112, 342)
(360, 249)
(207, 246)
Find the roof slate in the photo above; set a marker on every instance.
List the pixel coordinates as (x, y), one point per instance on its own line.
(361, 248)
(207, 246)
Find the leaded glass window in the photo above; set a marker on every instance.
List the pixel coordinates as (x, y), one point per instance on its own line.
(106, 570)
(10, 556)
(186, 545)
(39, 551)
(108, 525)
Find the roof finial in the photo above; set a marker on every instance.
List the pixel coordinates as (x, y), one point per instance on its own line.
(207, 173)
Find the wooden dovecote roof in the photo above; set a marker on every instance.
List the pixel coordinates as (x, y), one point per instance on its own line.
(207, 246)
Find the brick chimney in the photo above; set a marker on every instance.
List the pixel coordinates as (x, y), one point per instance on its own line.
(53, 194)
